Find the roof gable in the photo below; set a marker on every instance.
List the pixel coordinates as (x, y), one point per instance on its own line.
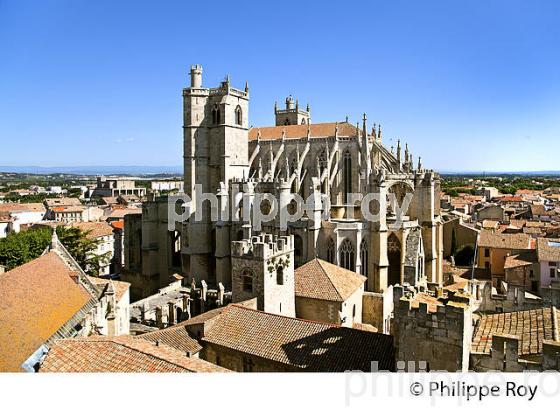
(319, 279)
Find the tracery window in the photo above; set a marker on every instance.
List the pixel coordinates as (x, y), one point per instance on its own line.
(347, 255)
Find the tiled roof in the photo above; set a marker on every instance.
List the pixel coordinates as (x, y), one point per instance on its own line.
(36, 299)
(510, 198)
(12, 207)
(326, 129)
(118, 225)
(546, 252)
(176, 336)
(50, 202)
(121, 212)
(94, 229)
(120, 286)
(302, 344)
(319, 279)
(522, 259)
(69, 209)
(489, 239)
(532, 327)
(120, 354)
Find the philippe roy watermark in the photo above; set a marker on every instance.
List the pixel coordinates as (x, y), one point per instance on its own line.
(461, 387)
(258, 208)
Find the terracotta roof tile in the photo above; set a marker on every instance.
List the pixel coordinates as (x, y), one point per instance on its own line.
(326, 129)
(489, 239)
(176, 337)
(120, 354)
(94, 229)
(547, 251)
(12, 207)
(319, 279)
(303, 344)
(36, 299)
(531, 326)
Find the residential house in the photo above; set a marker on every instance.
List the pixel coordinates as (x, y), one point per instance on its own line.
(52, 298)
(494, 248)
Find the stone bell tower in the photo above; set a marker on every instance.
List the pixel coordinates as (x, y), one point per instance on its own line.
(215, 134)
(292, 115)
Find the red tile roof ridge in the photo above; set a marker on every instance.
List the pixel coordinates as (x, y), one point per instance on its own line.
(234, 305)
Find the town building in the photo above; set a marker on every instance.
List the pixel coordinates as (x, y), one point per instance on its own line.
(115, 187)
(52, 298)
(15, 216)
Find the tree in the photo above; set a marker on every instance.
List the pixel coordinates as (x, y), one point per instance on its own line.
(82, 248)
(453, 242)
(22, 247)
(464, 256)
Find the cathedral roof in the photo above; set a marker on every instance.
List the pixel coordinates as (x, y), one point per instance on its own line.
(319, 279)
(120, 354)
(326, 129)
(36, 300)
(303, 344)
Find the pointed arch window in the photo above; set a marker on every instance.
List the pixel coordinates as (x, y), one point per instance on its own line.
(280, 275)
(346, 175)
(347, 255)
(216, 115)
(238, 115)
(364, 256)
(330, 250)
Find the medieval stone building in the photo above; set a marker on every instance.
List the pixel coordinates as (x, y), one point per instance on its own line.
(224, 155)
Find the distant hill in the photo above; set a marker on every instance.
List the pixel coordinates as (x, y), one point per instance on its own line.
(502, 173)
(95, 170)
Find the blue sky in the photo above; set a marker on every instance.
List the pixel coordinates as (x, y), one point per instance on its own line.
(470, 85)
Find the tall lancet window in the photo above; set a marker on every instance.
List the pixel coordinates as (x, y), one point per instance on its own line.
(347, 255)
(330, 250)
(323, 162)
(346, 175)
(238, 115)
(364, 257)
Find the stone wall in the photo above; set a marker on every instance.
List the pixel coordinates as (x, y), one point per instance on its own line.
(504, 356)
(442, 339)
(377, 309)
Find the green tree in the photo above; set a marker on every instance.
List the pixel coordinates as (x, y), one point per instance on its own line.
(453, 242)
(22, 247)
(464, 256)
(82, 248)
